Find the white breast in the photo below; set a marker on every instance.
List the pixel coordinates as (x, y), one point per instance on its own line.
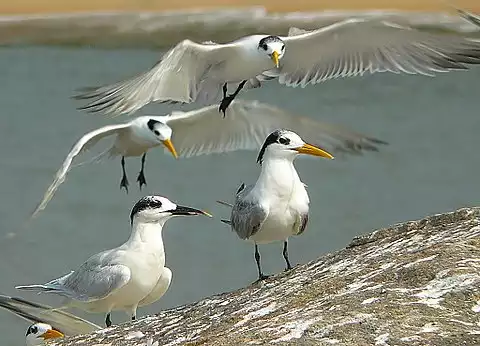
(286, 198)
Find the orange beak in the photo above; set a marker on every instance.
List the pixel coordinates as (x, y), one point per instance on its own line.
(312, 150)
(169, 145)
(275, 58)
(52, 334)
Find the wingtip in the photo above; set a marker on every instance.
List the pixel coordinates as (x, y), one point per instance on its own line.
(224, 203)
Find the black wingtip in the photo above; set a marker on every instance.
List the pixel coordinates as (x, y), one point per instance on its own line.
(228, 222)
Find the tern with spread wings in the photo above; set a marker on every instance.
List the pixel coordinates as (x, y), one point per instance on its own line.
(199, 72)
(200, 132)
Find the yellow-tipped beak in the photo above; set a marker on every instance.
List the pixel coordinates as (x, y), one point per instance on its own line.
(169, 145)
(207, 214)
(312, 150)
(52, 334)
(275, 58)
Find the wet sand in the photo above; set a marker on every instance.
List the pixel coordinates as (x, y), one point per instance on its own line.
(62, 6)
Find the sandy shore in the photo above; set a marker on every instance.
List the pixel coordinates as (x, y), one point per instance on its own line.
(59, 6)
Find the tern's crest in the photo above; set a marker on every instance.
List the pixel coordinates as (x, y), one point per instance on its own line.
(264, 41)
(272, 138)
(147, 202)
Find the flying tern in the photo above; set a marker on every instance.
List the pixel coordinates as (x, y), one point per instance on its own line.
(199, 132)
(129, 276)
(68, 324)
(276, 206)
(198, 72)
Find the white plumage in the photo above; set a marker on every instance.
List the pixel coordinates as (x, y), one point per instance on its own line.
(191, 72)
(276, 206)
(126, 277)
(200, 132)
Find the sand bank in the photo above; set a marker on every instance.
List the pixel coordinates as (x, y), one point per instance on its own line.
(62, 6)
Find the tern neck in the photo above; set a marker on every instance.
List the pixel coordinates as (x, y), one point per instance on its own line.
(277, 174)
(147, 232)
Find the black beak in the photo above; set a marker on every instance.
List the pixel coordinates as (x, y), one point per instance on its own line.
(181, 210)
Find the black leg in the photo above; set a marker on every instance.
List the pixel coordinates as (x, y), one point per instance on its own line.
(134, 318)
(108, 321)
(227, 99)
(141, 177)
(124, 182)
(261, 276)
(285, 255)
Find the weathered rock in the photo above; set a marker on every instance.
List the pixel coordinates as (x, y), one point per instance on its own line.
(416, 283)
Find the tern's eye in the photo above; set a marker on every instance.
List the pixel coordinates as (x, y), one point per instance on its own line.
(283, 140)
(156, 132)
(264, 46)
(34, 330)
(283, 48)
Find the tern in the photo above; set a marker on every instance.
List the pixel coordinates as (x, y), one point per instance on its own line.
(38, 333)
(129, 276)
(199, 132)
(62, 321)
(199, 72)
(276, 206)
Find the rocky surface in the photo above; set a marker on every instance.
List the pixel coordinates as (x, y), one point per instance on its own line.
(416, 283)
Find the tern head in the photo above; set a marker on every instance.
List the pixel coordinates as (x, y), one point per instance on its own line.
(156, 208)
(39, 332)
(287, 145)
(162, 133)
(274, 47)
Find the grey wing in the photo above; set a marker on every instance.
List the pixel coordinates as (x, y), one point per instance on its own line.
(470, 17)
(62, 321)
(95, 279)
(355, 46)
(247, 215)
(248, 123)
(301, 223)
(180, 76)
(87, 141)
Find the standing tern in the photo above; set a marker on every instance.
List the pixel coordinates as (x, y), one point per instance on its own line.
(129, 276)
(38, 333)
(60, 320)
(191, 71)
(199, 132)
(276, 206)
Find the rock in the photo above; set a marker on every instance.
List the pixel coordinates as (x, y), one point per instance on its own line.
(416, 283)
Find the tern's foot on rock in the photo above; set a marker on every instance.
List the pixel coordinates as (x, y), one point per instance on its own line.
(141, 180)
(124, 183)
(261, 278)
(108, 321)
(225, 103)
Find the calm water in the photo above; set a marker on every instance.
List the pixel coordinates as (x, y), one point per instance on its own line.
(431, 165)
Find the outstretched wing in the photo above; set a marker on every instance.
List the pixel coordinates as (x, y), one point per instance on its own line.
(178, 77)
(87, 141)
(355, 46)
(248, 123)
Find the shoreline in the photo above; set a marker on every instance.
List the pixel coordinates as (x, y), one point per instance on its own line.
(28, 7)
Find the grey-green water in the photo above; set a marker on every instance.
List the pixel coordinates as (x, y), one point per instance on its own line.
(431, 165)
